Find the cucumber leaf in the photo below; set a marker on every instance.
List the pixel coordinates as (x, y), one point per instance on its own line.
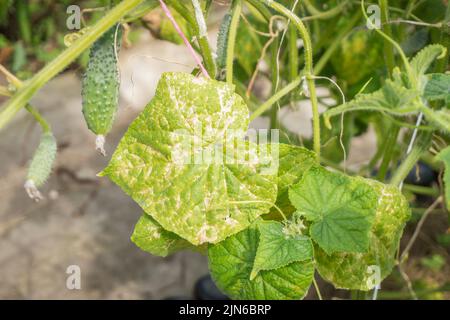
(423, 60)
(278, 247)
(355, 270)
(231, 262)
(149, 236)
(294, 161)
(438, 88)
(156, 162)
(340, 208)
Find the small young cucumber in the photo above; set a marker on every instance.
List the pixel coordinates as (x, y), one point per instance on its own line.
(41, 165)
(100, 85)
(222, 42)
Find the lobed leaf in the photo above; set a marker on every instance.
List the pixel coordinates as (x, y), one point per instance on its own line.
(423, 60)
(438, 88)
(340, 208)
(278, 247)
(357, 271)
(149, 236)
(231, 262)
(157, 161)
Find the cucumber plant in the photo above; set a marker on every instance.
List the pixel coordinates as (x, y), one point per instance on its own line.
(268, 233)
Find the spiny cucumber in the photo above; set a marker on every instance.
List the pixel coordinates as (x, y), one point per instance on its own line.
(222, 42)
(41, 165)
(100, 85)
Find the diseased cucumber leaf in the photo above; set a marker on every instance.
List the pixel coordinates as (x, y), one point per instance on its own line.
(166, 161)
(438, 88)
(358, 271)
(340, 208)
(231, 262)
(444, 156)
(279, 247)
(293, 163)
(151, 237)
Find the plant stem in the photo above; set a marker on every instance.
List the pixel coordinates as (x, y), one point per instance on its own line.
(426, 191)
(293, 53)
(273, 99)
(183, 36)
(232, 33)
(308, 69)
(316, 286)
(388, 49)
(422, 145)
(23, 18)
(442, 64)
(275, 78)
(38, 117)
(25, 93)
(389, 146)
(261, 8)
(317, 14)
(203, 39)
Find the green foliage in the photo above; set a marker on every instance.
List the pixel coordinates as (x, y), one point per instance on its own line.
(100, 85)
(231, 263)
(203, 187)
(357, 56)
(353, 270)
(402, 96)
(151, 237)
(438, 88)
(279, 246)
(340, 208)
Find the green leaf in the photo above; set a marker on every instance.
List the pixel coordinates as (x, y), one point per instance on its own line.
(231, 263)
(340, 208)
(293, 163)
(392, 98)
(355, 270)
(151, 237)
(423, 60)
(279, 247)
(357, 56)
(156, 162)
(438, 87)
(444, 156)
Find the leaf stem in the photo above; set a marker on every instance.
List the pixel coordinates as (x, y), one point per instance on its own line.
(232, 33)
(276, 97)
(388, 49)
(423, 142)
(42, 122)
(26, 92)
